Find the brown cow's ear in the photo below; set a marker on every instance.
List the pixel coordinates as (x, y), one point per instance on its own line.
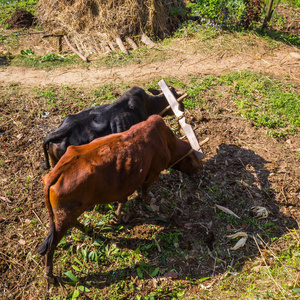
(154, 92)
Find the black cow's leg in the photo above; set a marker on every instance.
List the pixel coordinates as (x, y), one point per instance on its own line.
(82, 228)
(118, 213)
(79, 226)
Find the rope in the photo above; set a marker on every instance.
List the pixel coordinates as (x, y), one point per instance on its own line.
(187, 154)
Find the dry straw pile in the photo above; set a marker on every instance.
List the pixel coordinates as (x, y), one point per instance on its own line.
(94, 24)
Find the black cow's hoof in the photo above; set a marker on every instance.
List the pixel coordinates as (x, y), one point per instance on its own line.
(115, 221)
(44, 166)
(51, 279)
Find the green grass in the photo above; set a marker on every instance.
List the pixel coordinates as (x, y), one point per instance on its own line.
(48, 61)
(273, 273)
(265, 101)
(278, 36)
(296, 3)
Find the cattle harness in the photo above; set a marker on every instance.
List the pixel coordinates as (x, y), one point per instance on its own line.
(174, 105)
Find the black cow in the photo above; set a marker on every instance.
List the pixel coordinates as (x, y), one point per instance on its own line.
(131, 108)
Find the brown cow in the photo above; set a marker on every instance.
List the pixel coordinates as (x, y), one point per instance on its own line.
(109, 169)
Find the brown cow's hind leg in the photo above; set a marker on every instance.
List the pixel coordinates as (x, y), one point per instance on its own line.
(49, 256)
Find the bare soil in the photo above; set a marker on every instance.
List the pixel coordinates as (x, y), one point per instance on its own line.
(283, 62)
(21, 18)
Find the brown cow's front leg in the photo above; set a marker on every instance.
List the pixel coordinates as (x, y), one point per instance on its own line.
(145, 194)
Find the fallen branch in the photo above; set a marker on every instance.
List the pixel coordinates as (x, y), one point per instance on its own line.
(110, 44)
(38, 218)
(169, 106)
(75, 50)
(204, 142)
(5, 199)
(131, 42)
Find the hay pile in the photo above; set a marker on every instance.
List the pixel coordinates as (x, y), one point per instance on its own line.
(92, 24)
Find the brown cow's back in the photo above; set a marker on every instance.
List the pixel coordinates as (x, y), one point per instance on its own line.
(110, 168)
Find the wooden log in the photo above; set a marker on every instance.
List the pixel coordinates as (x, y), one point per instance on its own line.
(107, 49)
(191, 137)
(121, 45)
(171, 99)
(131, 42)
(145, 39)
(98, 48)
(104, 47)
(75, 50)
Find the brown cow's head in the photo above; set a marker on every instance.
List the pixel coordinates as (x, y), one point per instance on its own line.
(183, 158)
(190, 165)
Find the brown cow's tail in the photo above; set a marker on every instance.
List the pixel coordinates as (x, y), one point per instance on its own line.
(50, 239)
(48, 242)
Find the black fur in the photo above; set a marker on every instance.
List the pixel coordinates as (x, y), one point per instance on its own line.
(48, 242)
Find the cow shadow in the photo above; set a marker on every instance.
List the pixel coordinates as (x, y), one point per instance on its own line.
(243, 178)
(192, 233)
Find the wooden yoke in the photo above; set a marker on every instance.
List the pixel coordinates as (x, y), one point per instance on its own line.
(179, 114)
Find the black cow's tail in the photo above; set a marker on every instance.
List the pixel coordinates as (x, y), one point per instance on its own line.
(58, 135)
(50, 239)
(46, 165)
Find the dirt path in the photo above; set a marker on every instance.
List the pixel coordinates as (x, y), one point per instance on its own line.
(279, 63)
